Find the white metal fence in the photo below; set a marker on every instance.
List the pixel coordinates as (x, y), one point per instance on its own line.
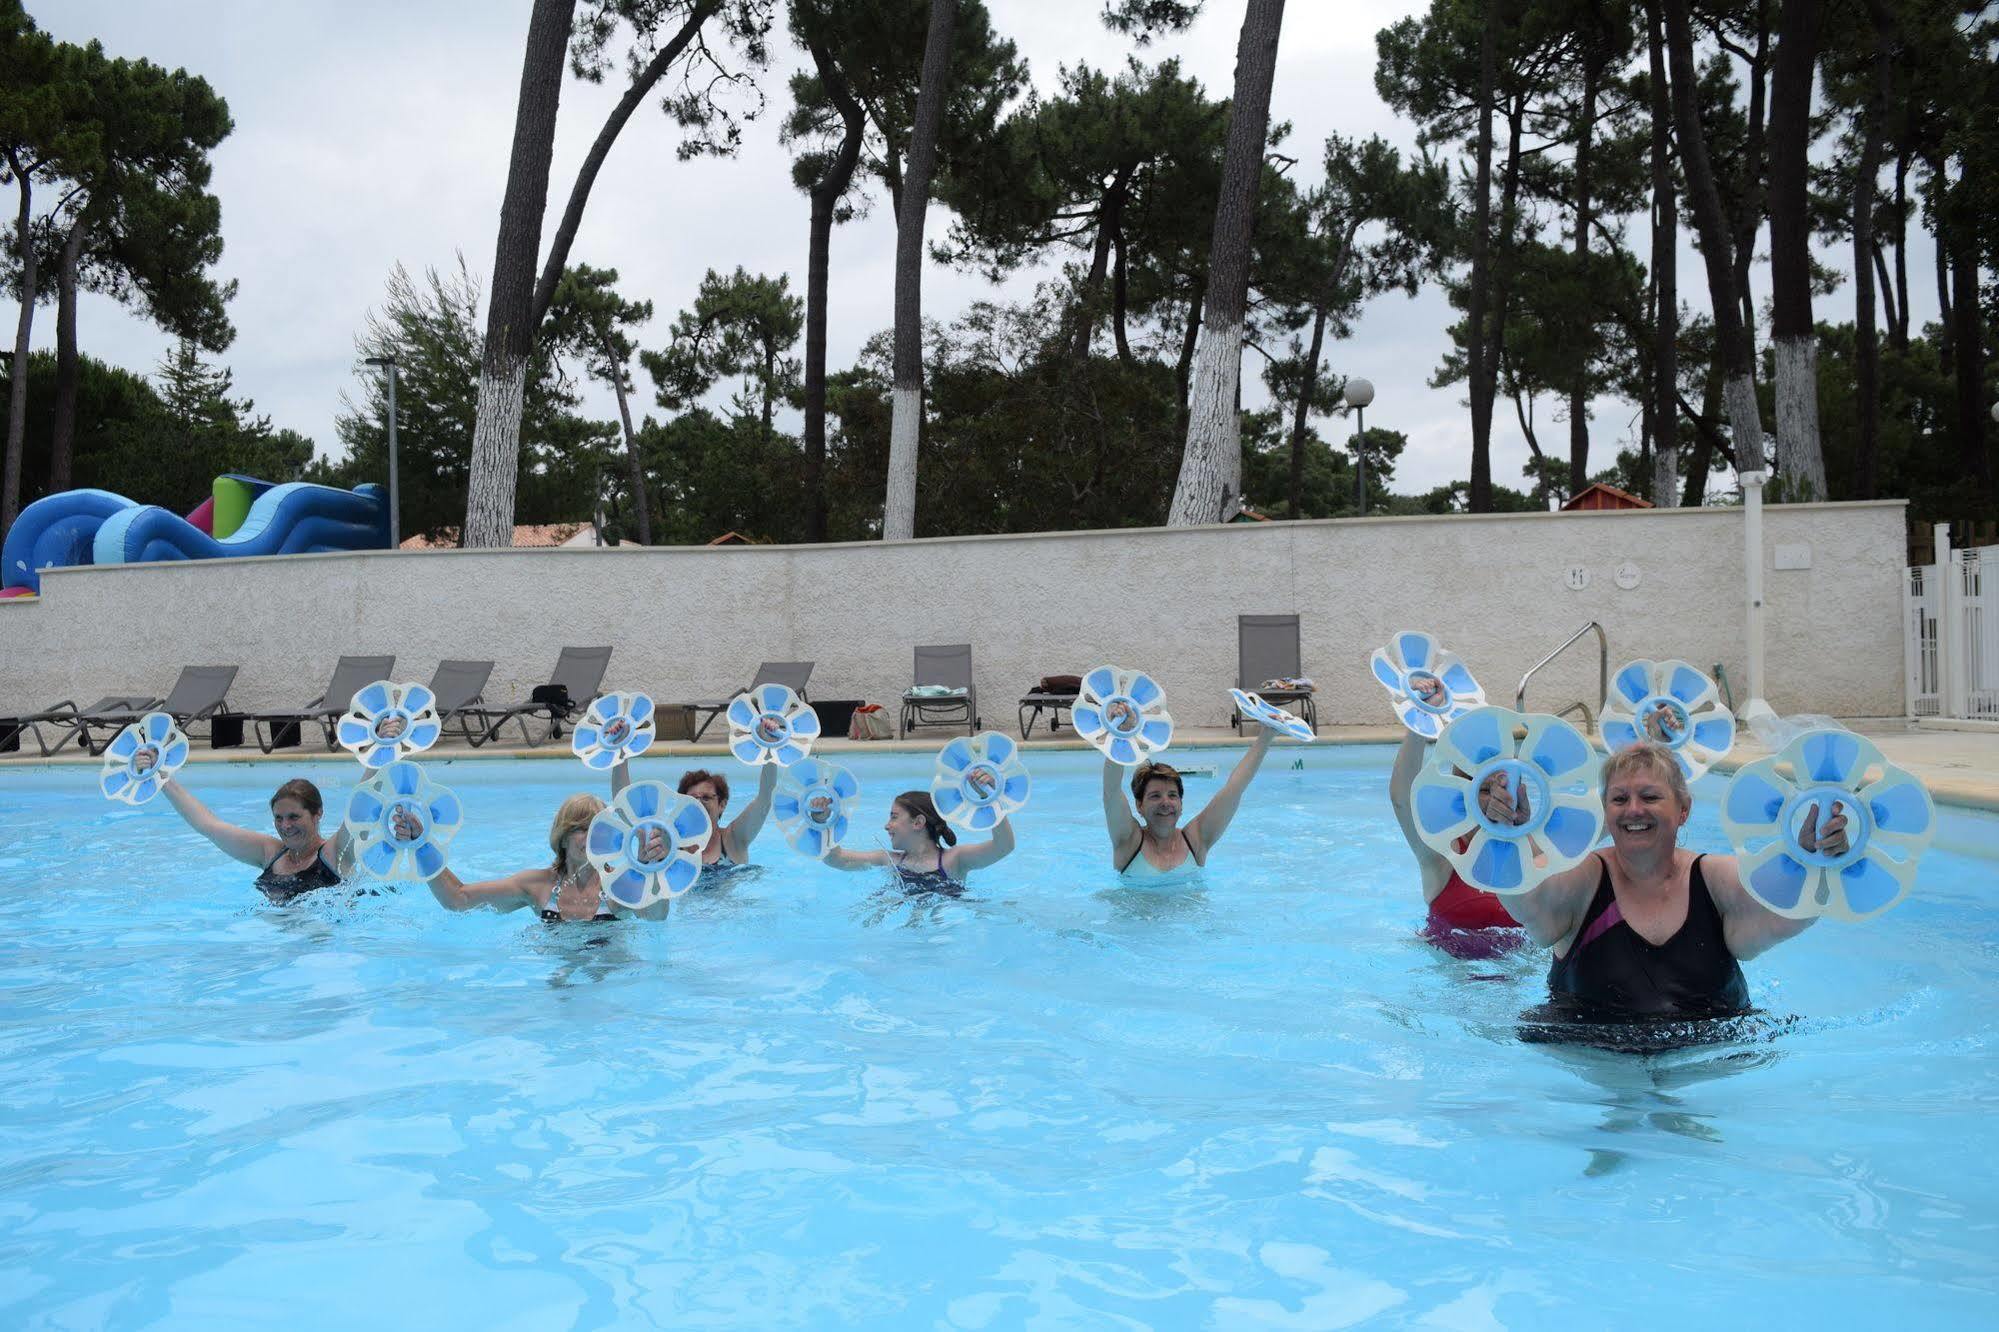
(1951, 628)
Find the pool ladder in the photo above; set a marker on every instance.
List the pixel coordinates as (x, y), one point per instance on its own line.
(1602, 669)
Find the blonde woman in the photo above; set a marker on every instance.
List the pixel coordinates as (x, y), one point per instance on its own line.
(566, 889)
(1643, 928)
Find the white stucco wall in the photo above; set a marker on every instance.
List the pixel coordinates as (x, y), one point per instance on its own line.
(694, 623)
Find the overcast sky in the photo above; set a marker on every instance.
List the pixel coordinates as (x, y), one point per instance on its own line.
(371, 133)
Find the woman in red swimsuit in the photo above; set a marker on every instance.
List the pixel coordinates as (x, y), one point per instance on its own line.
(1464, 921)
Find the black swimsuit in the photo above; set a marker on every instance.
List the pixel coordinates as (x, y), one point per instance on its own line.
(282, 887)
(929, 881)
(1613, 974)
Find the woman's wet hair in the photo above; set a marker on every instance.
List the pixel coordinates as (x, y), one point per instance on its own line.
(304, 792)
(918, 805)
(697, 776)
(1654, 758)
(576, 813)
(1156, 772)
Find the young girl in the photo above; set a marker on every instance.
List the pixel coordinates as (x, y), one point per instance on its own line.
(924, 850)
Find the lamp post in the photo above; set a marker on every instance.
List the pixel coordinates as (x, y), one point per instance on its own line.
(395, 514)
(1752, 570)
(1359, 394)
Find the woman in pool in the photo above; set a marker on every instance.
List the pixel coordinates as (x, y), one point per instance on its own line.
(565, 889)
(728, 844)
(1643, 929)
(924, 850)
(293, 859)
(1154, 850)
(1463, 921)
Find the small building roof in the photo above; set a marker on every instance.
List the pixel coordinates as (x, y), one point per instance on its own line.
(1597, 495)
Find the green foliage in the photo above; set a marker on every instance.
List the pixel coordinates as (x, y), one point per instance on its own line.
(1329, 490)
(160, 442)
(432, 330)
(877, 45)
(740, 326)
(706, 95)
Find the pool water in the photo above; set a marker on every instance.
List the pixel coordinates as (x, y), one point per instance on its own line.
(805, 1102)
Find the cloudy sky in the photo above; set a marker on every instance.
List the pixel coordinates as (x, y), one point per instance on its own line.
(371, 133)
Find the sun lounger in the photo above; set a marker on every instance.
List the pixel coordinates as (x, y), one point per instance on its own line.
(350, 676)
(578, 675)
(1267, 650)
(791, 674)
(1054, 694)
(66, 719)
(941, 693)
(459, 688)
(201, 694)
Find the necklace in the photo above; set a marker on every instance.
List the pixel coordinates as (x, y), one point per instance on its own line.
(312, 854)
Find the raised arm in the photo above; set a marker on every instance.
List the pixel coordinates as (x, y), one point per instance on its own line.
(1409, 759)
(251, 848)
(962, 860)
(1747, 926)
(1213, 820)
(743, 829)
(1118, 820)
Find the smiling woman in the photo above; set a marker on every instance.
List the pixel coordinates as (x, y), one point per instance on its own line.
(1644, 929)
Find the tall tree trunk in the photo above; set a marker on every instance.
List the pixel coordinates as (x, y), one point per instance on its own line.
(1665, 277)
(1480, 372)
(1885, 288)
(1120, 298)
(1183, 368)
(1593, 61)
(24, 325)
(1899, 337)
(1794, 339)
(63, 434)
(1702, 461)
(826, 196)
(1750, 184)
(1210, 478)
(1866, 338)
(1717, 251)
(600, 148)
(1089, 305)
(1969, 334)
(1304, 410)
(641, 496)
(510, 319)
(906, 421)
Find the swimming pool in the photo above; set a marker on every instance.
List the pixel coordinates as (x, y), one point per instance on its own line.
(1049, 1104)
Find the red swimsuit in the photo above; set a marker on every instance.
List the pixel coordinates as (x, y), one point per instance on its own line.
(1466, 922)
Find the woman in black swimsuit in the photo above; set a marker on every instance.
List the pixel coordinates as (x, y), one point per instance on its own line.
(1642, 929)
(924, 850)
(297, 859)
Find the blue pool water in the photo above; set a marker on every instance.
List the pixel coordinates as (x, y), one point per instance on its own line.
(1051, 1104)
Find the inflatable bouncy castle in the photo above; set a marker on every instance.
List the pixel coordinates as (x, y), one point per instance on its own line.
(243, 516)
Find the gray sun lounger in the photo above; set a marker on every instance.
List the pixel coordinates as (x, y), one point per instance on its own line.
(67, 720)
(350, 676)
(201, 694)
(578, 675)
(791, 674)
(1267, 649)
(950, 667)
(460, 687)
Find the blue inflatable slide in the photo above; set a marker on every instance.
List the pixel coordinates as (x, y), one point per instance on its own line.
(253, 517)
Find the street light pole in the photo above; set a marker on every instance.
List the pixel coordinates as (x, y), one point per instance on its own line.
(395, 514)
(1359, 393)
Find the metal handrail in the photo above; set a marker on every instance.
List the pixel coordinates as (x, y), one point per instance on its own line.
(1602, 667)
